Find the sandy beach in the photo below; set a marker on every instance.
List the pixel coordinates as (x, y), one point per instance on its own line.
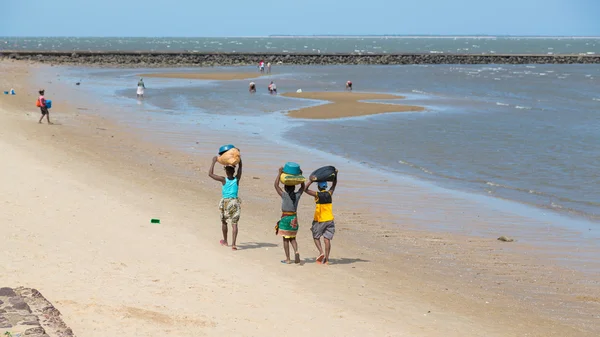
(347, 104)
(221, 76)
(77, 199)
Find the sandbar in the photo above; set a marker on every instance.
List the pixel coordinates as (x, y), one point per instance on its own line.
(224, 76)
(347, 104)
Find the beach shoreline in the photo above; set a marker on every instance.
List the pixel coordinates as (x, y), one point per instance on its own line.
(438, 275)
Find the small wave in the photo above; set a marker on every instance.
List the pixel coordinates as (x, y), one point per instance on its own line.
(415, 166)
(530, 67)
(419, 92)
(502, 104)
(523, 107)
(596, 99)
(489, 183)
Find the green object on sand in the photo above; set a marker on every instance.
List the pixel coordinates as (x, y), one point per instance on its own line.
(155, 221)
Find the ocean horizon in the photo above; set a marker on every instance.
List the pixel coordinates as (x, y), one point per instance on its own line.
(363, 44)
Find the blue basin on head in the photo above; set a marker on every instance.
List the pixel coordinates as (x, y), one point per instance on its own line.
(291, 168)
(225, 148)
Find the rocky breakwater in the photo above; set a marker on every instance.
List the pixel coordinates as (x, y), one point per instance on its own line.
(150, 60)
(25, 312)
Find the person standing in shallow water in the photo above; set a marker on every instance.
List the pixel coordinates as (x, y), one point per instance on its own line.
(323, 225)
(287, 227)
(230, 205)
(140, 88)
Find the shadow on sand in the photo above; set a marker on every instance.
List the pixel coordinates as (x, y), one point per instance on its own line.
(256, 245)
(340, 261)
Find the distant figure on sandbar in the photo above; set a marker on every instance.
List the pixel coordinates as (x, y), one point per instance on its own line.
(140, 88)
(261, 67)
(349, 85)
(268, 67)
(272, 88)
(252, 87)
(323, 225)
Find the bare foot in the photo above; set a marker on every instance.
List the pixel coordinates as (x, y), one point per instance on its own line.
(297, 258)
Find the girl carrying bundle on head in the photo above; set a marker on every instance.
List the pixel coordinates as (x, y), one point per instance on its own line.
(287, 227)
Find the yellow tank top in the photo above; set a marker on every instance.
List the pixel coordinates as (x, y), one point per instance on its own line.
(324, 209)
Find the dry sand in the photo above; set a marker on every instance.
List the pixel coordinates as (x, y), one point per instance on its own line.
(347, 104)
(76, 202)
(222, 76)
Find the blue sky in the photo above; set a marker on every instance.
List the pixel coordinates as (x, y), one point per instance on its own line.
(252, 18)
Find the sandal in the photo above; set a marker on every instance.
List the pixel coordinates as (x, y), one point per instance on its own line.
(223, 243)
(320, 259)
(286, 262)
(234, 247)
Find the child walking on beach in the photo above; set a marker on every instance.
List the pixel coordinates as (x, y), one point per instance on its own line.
(287, 227)
(41, 102)
(323, 225)
(230, 205)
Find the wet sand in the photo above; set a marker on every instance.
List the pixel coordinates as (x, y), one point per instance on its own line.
(222, 76)
(90, 186)
(347, 104)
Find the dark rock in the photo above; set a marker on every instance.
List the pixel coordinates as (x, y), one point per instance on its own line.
(4, 323)
(19, 304)
(33, 331)
(8, 292)
(51, 311)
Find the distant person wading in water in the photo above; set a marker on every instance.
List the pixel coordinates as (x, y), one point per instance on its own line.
(272, 88)
(252, 87)
(140, 88)
(268, 67)
(349, 85)
(230, 205)
(287, 227)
